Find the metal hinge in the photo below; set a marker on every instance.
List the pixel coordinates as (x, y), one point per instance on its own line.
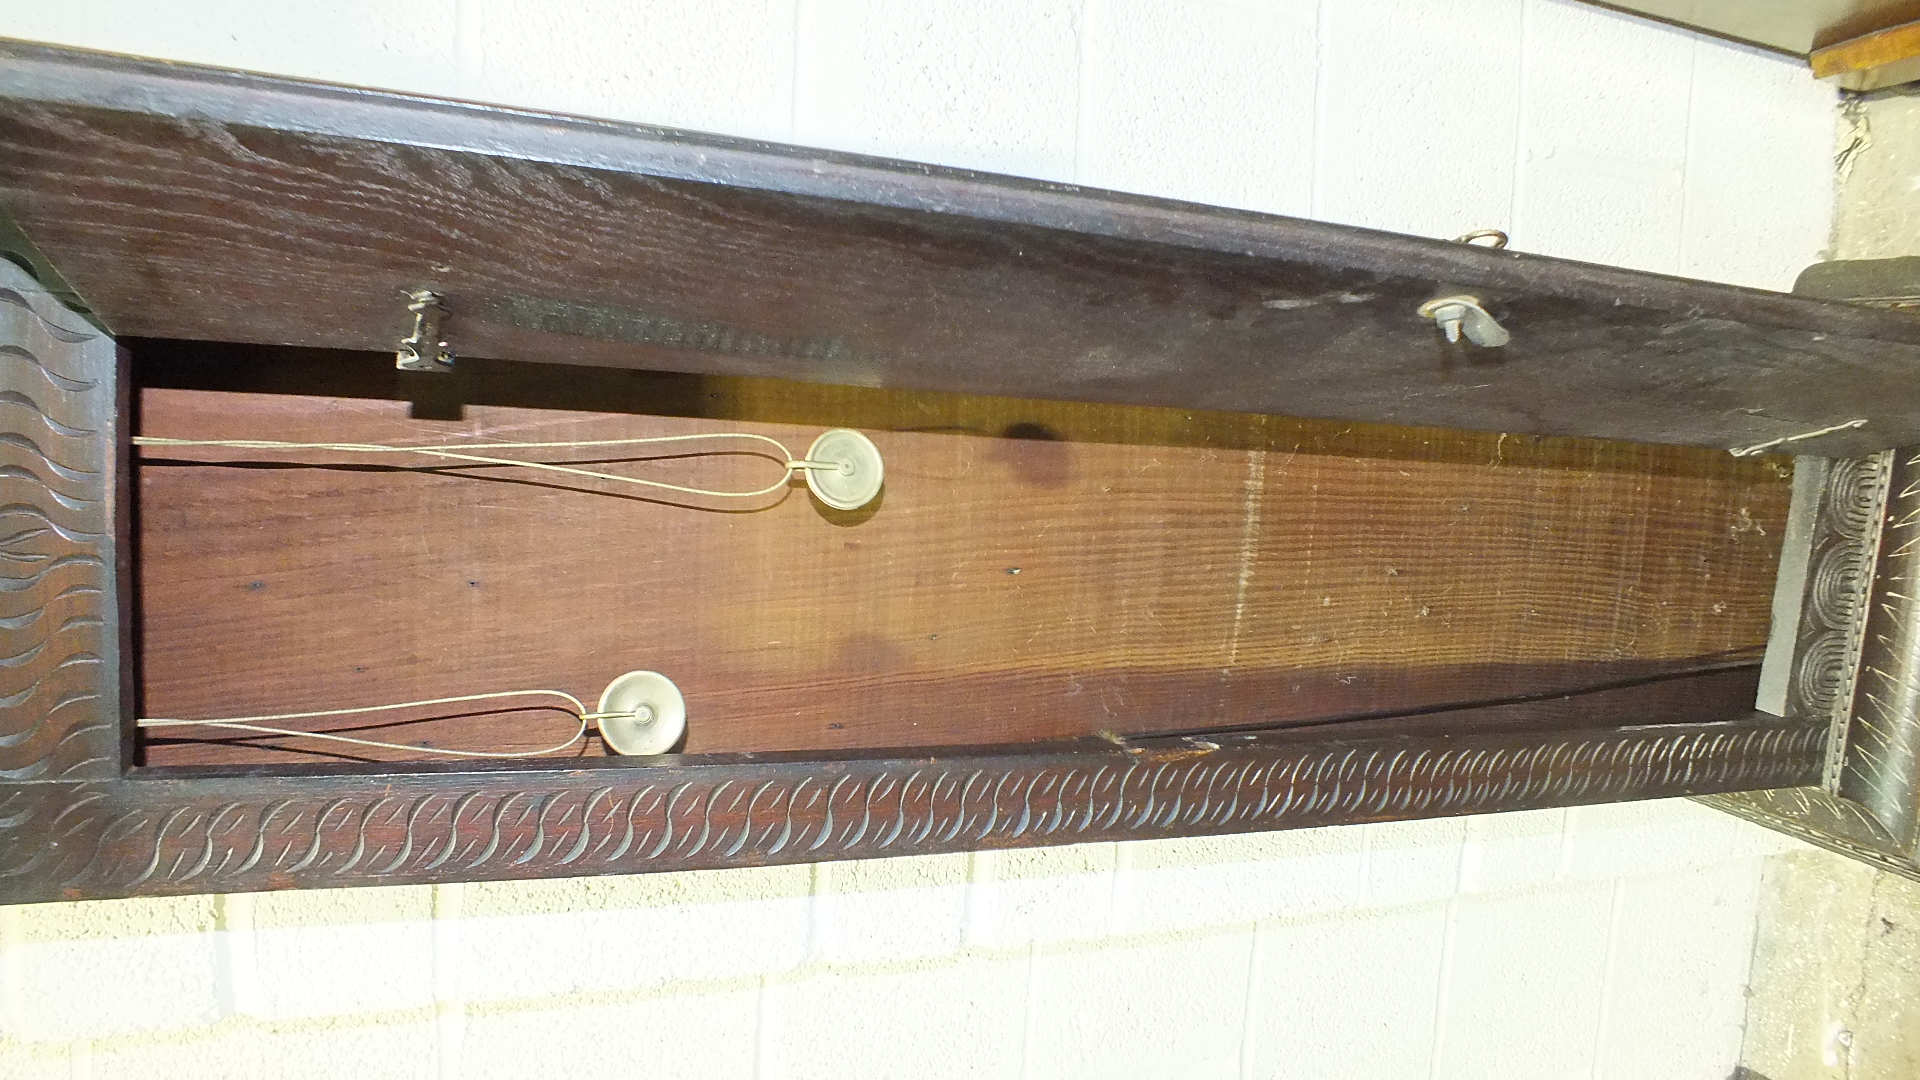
(424, 350)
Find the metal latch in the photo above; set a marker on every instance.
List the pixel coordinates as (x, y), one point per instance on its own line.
(423, 350)
(1455, 315)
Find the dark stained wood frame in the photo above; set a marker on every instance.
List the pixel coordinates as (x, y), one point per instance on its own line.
(77, 820)
(203, 205)
(1852, 659)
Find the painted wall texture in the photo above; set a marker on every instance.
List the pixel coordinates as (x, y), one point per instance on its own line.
(1596, 942)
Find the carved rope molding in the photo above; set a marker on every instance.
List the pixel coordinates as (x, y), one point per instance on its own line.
(247, 833)
(59, 608)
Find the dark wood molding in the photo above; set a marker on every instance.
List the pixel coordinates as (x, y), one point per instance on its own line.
(1854, 665)
(1852, 659)
(1848, 510)
(193, 204)
(1880, 769)
(60, 608)
(151, 834)
(1825, 820)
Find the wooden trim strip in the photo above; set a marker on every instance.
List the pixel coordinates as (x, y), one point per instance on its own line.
(1855, 667)
(1828, 821)
(251, 832)
(1880, 769)
(1888, 46)
(60, 628)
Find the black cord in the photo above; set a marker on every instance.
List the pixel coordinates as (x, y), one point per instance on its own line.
(1456, 706)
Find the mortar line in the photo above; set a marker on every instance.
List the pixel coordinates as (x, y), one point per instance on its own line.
(760, 1057)
(1437, 1044)
(469, 56)
(1316, 180)
(450, 1008)
(1517, 192)
(794, 76)
(236, 947)
(1608, 967)
(1080, 48)
(1026, 1019)
(1684, 255)
(1250, 1013)
(819, 905)
(12, 970)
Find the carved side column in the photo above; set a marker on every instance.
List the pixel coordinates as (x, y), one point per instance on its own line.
(60, 666)
(1846, 635)
(1847, 646)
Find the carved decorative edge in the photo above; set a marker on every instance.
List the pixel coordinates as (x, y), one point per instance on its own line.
(1844, 544)
(1823, 820)
(225, 834)
(1856, 665)
(1880, 769)
(60, 670)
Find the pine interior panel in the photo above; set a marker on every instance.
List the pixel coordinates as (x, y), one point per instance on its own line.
(1035, 570)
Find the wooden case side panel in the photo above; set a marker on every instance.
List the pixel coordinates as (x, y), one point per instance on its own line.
(1828, 821)
(1847, 518)
(1856, 667)
(60, 608)
(153, 835)
(1880, 769)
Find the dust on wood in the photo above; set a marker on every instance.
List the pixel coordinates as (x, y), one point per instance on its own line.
(1176, 569)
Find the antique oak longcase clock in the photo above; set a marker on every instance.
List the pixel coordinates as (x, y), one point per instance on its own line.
(352, 443)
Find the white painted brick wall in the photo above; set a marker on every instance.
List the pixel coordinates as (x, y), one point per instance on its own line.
(689, 1034)
(1209, 101)
(985, 84)
(1176, 885)
(890, 909)
(1523, 980)
(964, 1017)
(1683, 926)
(1416, 110)
(1164, 1005)
(1354, 996)
(1596, 942)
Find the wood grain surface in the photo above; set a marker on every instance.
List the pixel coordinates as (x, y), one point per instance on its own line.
(1887, 44)
(202, 205)
(62, 502)
(1035, 570)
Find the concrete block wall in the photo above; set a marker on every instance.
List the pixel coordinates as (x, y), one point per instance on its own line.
(1600, 941)
(1594, 942)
